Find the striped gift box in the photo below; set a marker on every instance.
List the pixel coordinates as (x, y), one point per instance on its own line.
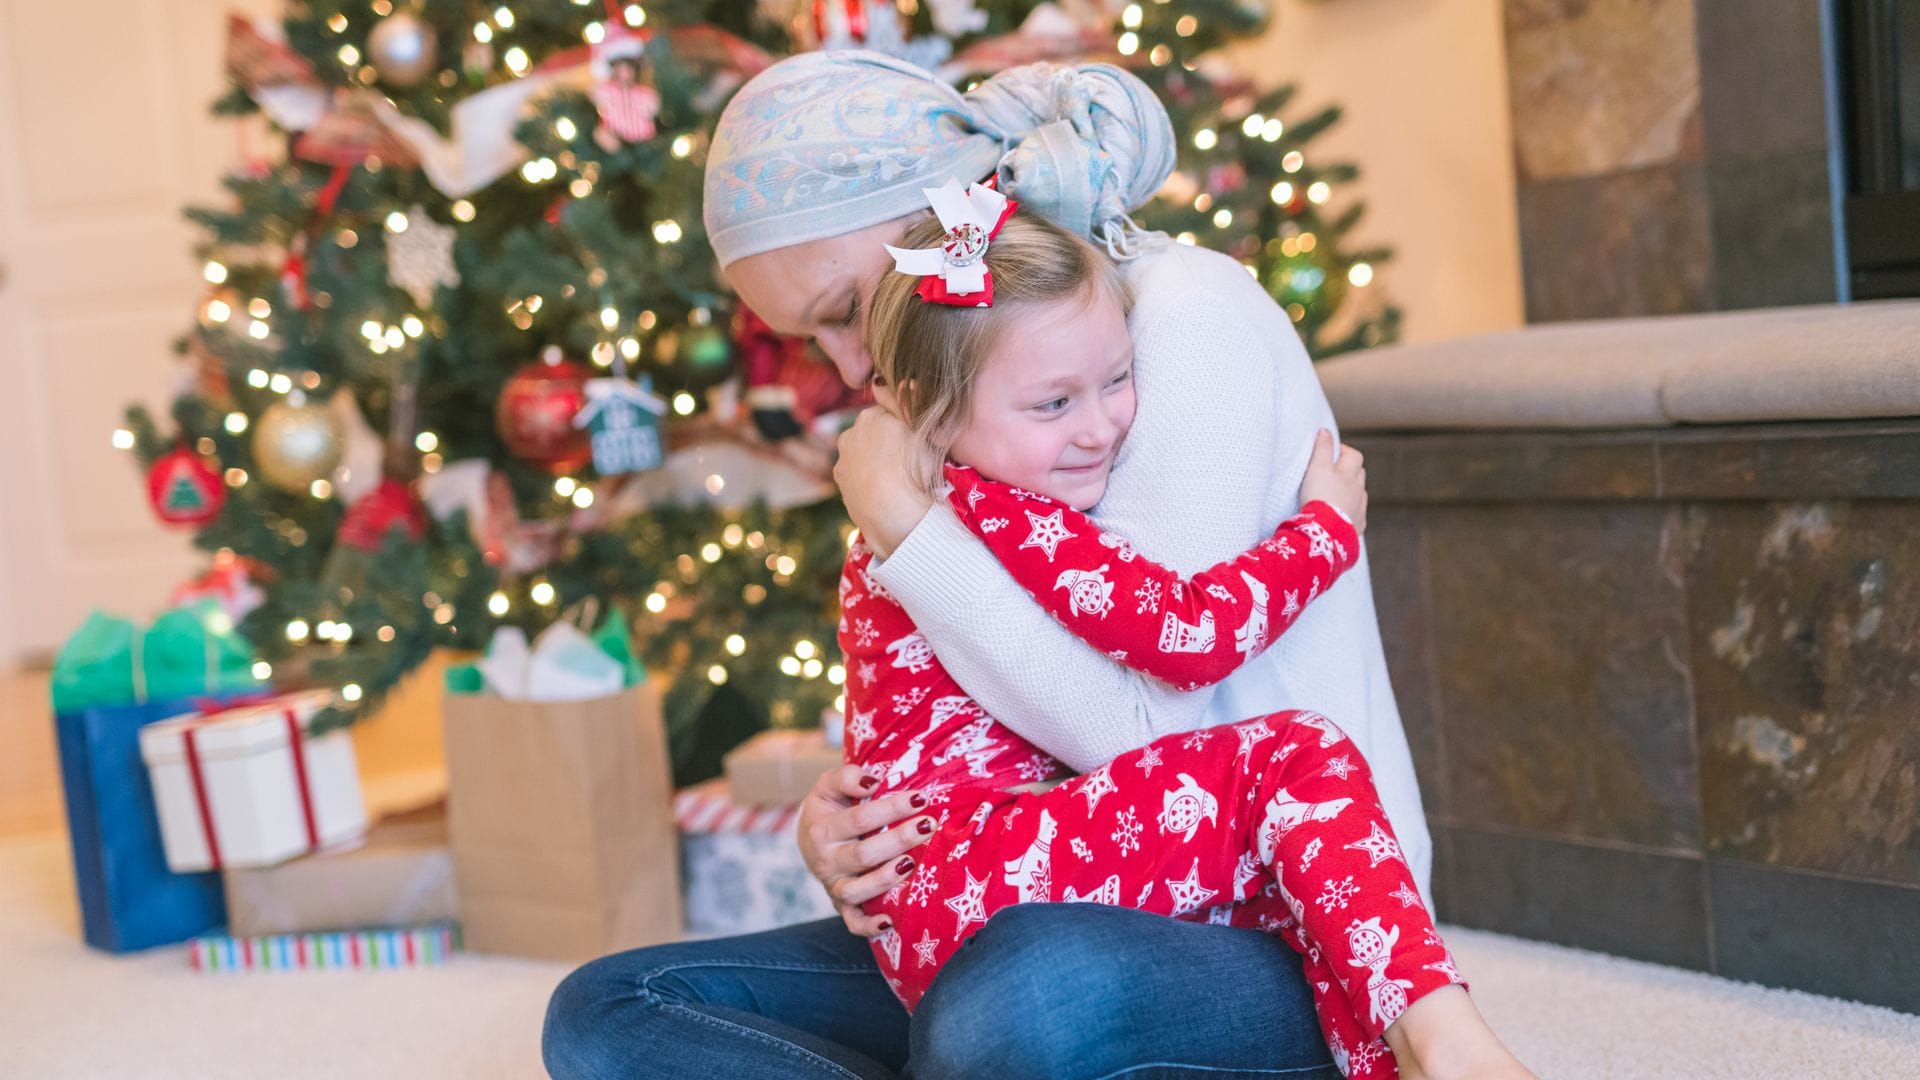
(705, 809)
(742, 868)
(353, 950)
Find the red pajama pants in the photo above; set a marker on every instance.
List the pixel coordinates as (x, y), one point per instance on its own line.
(1272, 823)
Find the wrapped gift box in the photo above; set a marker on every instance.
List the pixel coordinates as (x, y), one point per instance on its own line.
(401, 877)
(743, 870)
(354, 950)
(777, 768)
(248, 786)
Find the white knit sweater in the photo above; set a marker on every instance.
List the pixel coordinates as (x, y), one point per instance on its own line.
(1229, 405)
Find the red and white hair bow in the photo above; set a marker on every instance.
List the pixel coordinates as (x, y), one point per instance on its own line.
(956, 272)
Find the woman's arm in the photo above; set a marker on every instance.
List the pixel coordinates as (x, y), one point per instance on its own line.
(1187, 631)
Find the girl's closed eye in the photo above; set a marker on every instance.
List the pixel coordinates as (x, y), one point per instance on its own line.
(853, 313)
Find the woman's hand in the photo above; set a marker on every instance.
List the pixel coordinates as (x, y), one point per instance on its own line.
(832, 822)
(1341, 484)
(881, 473)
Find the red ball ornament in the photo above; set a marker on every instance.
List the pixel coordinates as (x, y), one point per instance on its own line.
(391, 505)
(184, 489)
(536, 410)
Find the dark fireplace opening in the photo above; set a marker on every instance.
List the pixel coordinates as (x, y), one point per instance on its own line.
(1880, 82)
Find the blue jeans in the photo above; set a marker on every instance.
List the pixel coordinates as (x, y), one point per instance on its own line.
(1043, 990)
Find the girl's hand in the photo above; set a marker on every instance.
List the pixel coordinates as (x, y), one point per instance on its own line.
(1341, 484)
(881, 470)
(854, 871)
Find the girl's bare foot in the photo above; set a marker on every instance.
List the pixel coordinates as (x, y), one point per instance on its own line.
(1443, 1037)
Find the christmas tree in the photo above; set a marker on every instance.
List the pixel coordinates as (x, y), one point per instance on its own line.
(464, 360)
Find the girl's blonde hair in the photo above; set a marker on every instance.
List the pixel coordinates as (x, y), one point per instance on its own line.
(931, 354)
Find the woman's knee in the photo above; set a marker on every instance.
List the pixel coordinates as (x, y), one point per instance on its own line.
(597, 1006)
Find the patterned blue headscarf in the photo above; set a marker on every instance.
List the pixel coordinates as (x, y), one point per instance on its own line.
(828, 143)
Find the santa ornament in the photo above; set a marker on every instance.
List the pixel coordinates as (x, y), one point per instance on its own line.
(627, 104)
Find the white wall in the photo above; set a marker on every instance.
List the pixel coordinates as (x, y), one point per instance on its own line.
(1423, 85)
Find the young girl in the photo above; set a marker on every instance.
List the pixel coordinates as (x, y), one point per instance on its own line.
(1011, 358)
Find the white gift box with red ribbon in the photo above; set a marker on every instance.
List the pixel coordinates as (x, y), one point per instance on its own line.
(247, 786)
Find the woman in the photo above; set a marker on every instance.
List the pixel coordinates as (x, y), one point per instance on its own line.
(816, 164)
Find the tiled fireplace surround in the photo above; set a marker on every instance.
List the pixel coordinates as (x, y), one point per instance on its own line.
(1663, 689)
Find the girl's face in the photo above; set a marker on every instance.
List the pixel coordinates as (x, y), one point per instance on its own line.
(1054, 400)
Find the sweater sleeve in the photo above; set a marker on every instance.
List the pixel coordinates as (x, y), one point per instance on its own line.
(1202, 369)
(1165, 624)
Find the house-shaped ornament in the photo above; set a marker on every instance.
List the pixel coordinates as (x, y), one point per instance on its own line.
(622, 419)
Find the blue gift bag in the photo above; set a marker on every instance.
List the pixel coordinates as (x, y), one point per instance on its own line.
(128, 898)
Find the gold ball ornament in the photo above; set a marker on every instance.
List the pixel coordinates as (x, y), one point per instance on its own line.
(296, 444)
(403, 49)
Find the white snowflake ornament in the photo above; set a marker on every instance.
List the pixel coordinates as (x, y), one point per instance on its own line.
(420, 256)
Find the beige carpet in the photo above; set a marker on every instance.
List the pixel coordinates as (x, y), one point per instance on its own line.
(69, 1012)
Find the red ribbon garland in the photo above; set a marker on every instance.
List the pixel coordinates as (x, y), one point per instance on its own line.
(295, 744)
(856, 11)
(294, 272)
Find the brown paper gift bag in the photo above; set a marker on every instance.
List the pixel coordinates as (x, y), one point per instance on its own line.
(561, 815)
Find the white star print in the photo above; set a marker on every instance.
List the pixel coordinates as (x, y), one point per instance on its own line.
(1149, 758)
(925, 947)
(1047, 532)
(974, 495)
(970, 905)
(1251, 735)
(1341, 767)
(1379, 846)
(1188, 895)
(861, 729)
(1406, 895)
(1096, 785)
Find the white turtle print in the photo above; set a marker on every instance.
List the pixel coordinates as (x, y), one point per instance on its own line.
(1183, 808)
(1285, 813)
(1372, 947)
(912, 652)
(1089, 590)
(1032, 873)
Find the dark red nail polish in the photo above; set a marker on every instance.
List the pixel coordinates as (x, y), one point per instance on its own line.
(885, 926)
(917, 801)
(905, 864)
(869, 781)
(925, 826)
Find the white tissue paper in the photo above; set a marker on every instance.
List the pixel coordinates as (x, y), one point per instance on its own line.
(563, 665)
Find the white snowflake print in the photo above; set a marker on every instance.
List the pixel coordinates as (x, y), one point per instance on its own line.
(1081, 849)
(1341, 767)
(1036, 768)
(1149, 596)
(1219, 592)
(993, 525)
(864, 635)
(1122, 547)
(1197, 740)
(959, 850)
(1149, 758)
(1405, 894)
(1047, 532)
(909, 701)
(1279, 545)
(860, 728)
(921, 886)
(1312, 852)
(1337, 894)
(1364, 1056)
(1126, 831)
(1379, 846)
(1320, 544)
